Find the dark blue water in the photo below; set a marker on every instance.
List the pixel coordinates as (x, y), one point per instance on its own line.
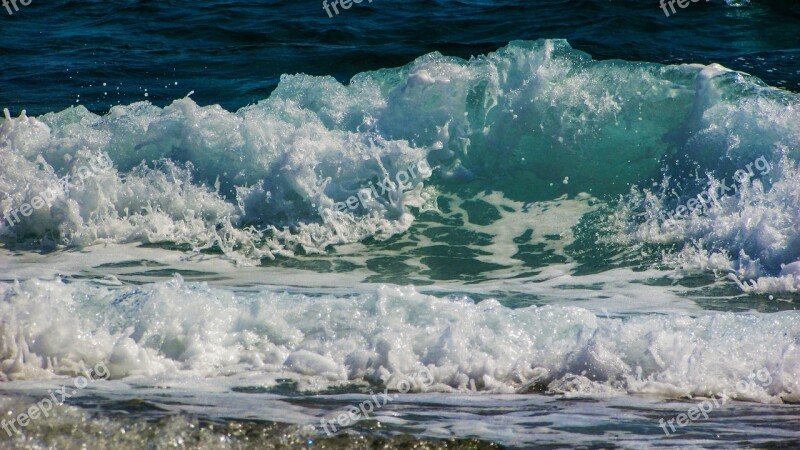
(58, 53)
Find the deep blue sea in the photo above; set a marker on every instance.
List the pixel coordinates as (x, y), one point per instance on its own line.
(417, 224)
(234, 53)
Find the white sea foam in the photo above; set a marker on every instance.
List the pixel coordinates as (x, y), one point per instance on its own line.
(750, 234)
(175, 329)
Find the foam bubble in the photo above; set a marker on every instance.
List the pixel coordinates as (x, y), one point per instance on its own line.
(385, 337)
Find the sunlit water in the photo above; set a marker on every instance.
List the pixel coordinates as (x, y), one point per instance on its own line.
(248, 273)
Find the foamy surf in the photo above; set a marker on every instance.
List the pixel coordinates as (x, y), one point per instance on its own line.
(176, 329)
(275, 178)
(517, 226)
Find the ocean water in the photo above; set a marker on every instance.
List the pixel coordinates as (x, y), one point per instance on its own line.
(420, 224)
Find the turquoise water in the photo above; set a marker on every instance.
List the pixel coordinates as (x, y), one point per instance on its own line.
(255, 218)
